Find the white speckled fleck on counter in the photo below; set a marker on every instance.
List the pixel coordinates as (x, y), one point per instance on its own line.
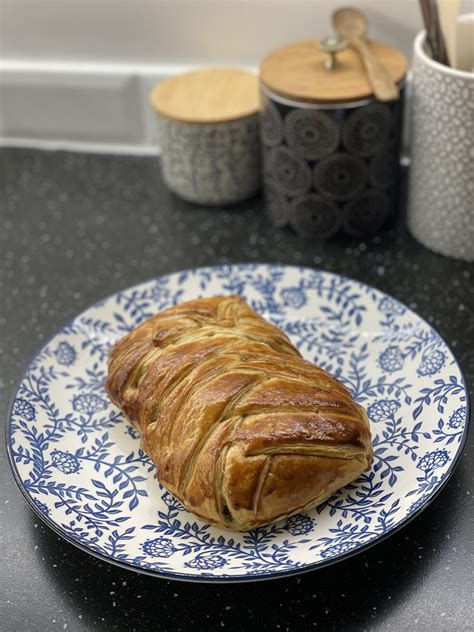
(75, 228)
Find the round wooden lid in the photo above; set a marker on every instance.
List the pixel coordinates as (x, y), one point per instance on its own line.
(297, 72)
(213, 95)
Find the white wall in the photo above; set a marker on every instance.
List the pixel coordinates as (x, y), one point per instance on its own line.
(182, 31)
(76, 72)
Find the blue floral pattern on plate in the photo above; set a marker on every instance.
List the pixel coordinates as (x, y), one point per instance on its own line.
(81, 467)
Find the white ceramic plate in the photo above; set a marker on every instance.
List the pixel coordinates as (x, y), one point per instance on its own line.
(80, 467)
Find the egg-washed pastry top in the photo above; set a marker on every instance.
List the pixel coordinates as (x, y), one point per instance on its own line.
(242, 430)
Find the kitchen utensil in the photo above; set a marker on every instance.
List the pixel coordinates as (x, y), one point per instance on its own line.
(352, 25)
(448, 11)
(425, 6)
(434, 36)
(465, 42)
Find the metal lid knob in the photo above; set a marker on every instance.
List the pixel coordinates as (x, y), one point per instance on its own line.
(332, 45)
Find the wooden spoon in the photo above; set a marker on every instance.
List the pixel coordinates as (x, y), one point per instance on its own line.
(352, 25)
(448, 12)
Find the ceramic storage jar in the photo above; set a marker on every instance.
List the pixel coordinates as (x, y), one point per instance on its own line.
(440, 213)
(330, 149)
(208, 133)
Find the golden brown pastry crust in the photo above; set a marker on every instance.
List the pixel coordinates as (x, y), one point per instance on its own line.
(241, 428)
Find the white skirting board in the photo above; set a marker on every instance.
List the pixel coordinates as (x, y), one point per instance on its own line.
(88, 107)
(82, 107)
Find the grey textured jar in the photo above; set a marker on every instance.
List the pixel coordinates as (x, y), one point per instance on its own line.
(208, 126)
(330, 150)
(441, 190)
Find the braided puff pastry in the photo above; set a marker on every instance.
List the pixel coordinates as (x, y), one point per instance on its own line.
(242, 430)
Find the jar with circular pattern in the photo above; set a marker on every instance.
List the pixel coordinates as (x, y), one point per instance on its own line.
(330, 148)
(208, 123)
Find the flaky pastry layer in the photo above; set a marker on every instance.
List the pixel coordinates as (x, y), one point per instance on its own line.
(242, 430)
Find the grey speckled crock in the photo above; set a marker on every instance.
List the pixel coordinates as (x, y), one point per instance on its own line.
(216, 163)
(441, 190)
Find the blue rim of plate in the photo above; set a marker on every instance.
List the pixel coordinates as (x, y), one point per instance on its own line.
(177, 576)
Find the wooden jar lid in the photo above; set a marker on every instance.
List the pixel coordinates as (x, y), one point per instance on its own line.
(297, 72)
(214, 95)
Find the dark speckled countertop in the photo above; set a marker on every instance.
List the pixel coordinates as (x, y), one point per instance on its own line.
(74, 228)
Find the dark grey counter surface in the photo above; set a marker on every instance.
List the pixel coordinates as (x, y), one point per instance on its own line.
(75, 228)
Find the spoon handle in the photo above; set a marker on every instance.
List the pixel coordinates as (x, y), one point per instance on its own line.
(382, 84)
(427, 14)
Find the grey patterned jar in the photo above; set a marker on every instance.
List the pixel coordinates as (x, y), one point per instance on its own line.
(441, 189)
(330, 149)
(208, 125)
